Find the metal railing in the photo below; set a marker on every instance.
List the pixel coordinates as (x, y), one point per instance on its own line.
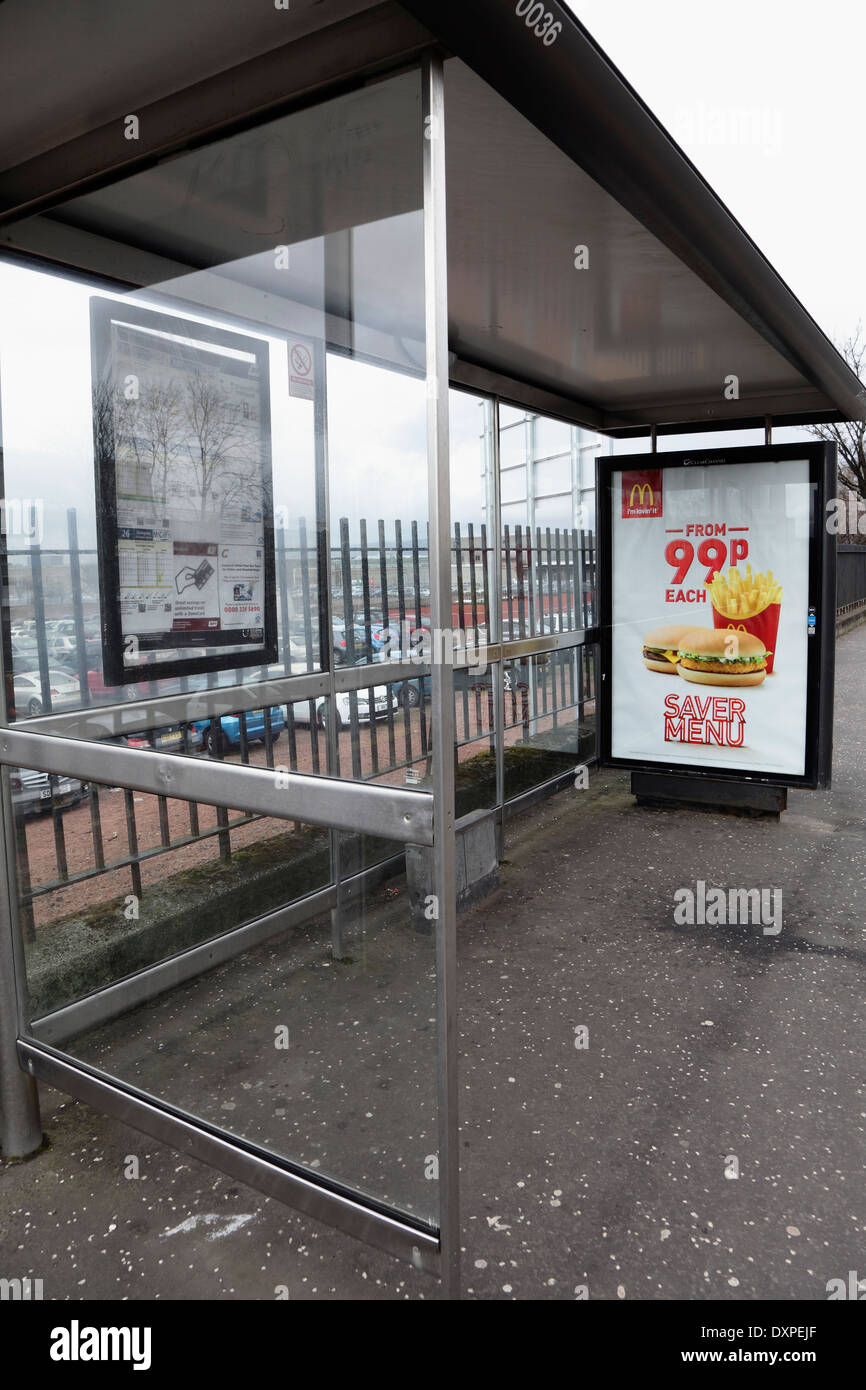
(850, 577)
(379, 582)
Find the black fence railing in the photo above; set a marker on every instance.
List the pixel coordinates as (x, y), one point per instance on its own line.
(850, 576)
(379, 581)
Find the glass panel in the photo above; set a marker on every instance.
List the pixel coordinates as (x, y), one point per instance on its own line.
(553, 475)
(113, 881)
(471, 425)
(313, 1060)
(377, 445)
(296, 256)
(551, 437)
(546, 579)
(549, 717)
(474, 712)
(513, 486)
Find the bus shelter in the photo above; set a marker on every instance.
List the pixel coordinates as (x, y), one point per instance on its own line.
(315, 320)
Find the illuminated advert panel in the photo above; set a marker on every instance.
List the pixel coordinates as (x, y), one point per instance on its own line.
(718, 609)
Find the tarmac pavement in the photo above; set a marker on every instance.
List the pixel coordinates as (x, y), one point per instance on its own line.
(604, 1170)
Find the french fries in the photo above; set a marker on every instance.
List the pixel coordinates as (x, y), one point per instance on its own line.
(743, 595)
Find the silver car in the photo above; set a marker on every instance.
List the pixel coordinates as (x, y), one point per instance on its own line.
(32, 791)
(63, 690)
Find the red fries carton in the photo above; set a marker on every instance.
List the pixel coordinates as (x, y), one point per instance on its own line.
(763, 625)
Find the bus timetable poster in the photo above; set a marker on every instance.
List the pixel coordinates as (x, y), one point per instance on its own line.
(182, 434)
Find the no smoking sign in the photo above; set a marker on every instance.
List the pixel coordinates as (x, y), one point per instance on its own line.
(301, 378)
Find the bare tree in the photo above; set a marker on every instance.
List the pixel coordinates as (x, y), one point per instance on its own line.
(149, 430)
(850, 435)
(216, 440)
(143, 429)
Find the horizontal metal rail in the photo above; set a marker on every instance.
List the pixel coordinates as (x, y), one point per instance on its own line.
(393, 812)
(259, 1169)
(112, 721)
(128, 717)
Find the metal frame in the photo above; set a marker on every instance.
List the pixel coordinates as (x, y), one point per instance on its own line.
(258, 1168)
(397, 813)
(21, 1132)
(442, 676)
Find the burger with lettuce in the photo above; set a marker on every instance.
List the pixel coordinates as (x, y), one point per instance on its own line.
(721, 656)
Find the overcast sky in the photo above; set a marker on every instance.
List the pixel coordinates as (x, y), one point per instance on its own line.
(796, 183)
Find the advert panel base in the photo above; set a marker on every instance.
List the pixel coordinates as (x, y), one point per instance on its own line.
(708, 793)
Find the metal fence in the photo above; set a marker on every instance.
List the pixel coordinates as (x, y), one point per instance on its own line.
(850, 577)
(548, 587)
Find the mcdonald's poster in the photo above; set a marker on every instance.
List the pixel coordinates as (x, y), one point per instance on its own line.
(710, 614)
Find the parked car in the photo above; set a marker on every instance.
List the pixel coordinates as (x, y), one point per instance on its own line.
(100, 693)
(359, 642)
(63, 688)
(169, 739)
(343, 708)
(25, 653)
(406, 692)
(32, 791)
(228, 735)
(63, 650)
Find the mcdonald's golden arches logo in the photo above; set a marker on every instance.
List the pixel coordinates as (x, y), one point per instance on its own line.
(642, 492)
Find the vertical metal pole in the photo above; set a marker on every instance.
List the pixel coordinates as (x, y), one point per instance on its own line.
(768, 429)
(20, 1121)
(77, 605)
(326, 638)
(496, 630)
(442, 674)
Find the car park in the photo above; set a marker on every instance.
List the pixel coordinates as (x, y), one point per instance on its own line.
(410, 691)
(227, 735)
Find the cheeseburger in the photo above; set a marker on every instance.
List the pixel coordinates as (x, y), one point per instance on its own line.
(720, 656)
(660, 647)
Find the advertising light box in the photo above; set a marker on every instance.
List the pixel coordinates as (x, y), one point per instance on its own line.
(718, 610)
(183, 474)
